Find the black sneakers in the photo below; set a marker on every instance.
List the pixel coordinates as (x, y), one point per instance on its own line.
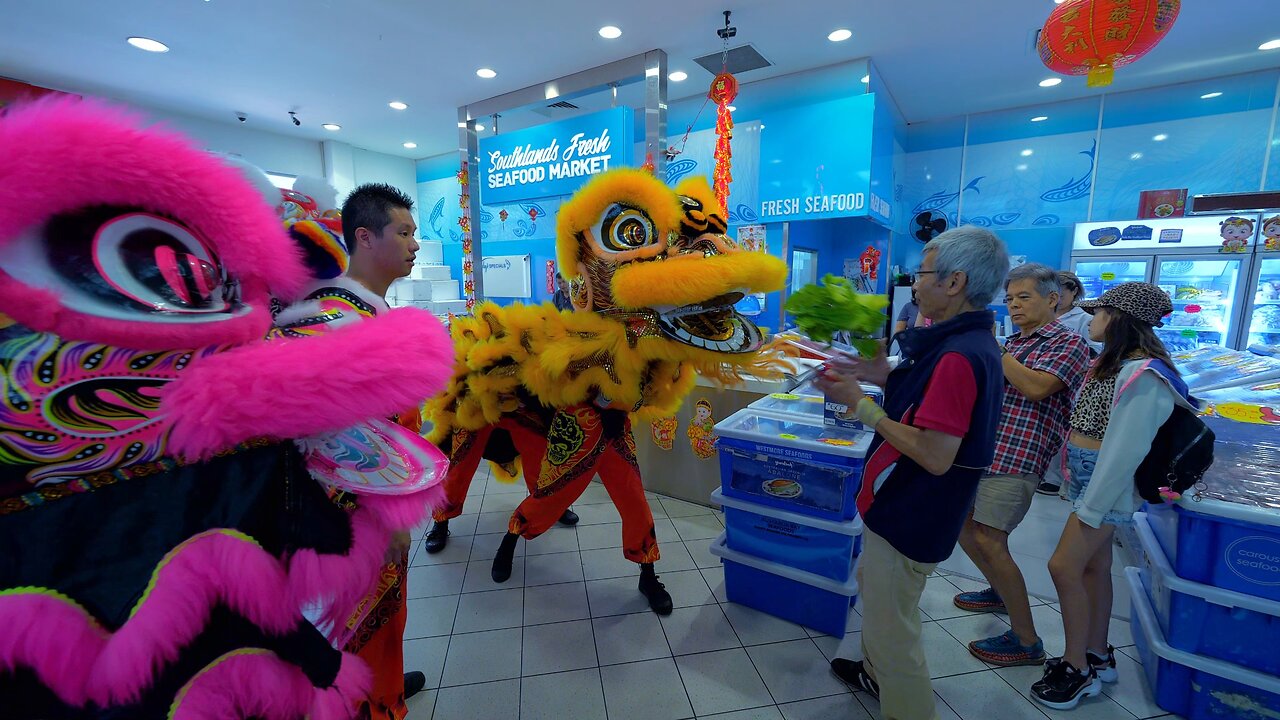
(1063, 686)
(1048, 488)
(569, 518)
(1104, 666)
(654, 591)
(855, 675)
(438, 537)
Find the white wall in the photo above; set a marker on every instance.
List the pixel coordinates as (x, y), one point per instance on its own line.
(376, 167)
(269, 151)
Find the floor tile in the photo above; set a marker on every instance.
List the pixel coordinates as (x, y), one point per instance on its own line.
(599, 537)
(486, 701)
(430, 617)
(484, 547)
(457, 550)
(835, 707)
(1120, 634)
(674, 558)
(1049, 628)
(1095, 708)
(555, 603)
(715, 580)
(558, 647)
(985, 696)
(609, 563)
(871, 706)
(427, 656)
(595, 494)
(490, 611)
(555, 540)
(497, 487)
(699, 629)
(768, 712)
(1131, 652)
(722, 682)
(575, 695)
(616, 596)
(434, 580)
(552, 569)
(700, 551)
(597, 514)
(1131, 692)
(698, 527)
(852, 624)
(651, 690)
(493, 522)
(500, 503)
(421, 706)
(795, 671)
(679, 508)
(481, 657)
(946, 655)
(756, 628)
(629, 638)
(460, 526)
(687, 588)
(480, 576)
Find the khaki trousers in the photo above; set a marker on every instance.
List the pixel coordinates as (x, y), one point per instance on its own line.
(893, 654)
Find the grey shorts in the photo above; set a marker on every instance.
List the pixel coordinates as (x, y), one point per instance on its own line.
(1003, 500)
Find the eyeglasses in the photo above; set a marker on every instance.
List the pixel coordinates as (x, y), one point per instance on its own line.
(926, 272)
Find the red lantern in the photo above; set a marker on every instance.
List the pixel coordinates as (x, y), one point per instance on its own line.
(1094, 37)
(724, 88)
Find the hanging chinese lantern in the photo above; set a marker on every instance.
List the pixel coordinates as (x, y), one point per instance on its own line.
(1094, 37)
(723, 90)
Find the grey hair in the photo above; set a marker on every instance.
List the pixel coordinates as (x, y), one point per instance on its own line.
(1046, 278)
(977, 252)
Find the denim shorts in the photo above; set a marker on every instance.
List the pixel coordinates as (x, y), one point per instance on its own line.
(1080, 464)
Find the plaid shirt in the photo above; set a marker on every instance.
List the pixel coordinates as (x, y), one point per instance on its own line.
(1032, 433)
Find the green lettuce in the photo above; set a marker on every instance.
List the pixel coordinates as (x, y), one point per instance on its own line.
(834, 306)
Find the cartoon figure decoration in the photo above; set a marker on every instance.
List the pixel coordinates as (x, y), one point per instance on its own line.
(663, 432)
(702, 436)
(170, 544)
(1236, 232)
(1271, 234)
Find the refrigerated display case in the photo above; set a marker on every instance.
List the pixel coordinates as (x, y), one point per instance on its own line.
(1207, 293)
(1263, 311)
(1098, 276)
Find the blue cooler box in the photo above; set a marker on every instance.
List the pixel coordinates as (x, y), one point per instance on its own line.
(809, 406)
(1226, 545)
(791, 463)
(787, 593)
(823, 547)
(1222, 624)
(1193, 686)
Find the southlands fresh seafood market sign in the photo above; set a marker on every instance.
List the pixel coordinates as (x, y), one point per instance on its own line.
(553, 159)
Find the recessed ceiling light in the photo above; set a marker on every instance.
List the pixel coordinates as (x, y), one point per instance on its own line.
(1136, 156)
(331, 127)
(1160, 138)
(866, 79)
(840, 35)
(397, 105)
(1210, 96)
(1040, 118)
(1022, 166)
(678, 76)
(732, 108)
(148, 44)
(1050, 82)
(486, 73)
(1027, 152)
(479, 127)
(609, 32)
(1270, 45)
(410, 145)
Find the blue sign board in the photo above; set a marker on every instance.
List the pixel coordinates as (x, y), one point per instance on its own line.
(555, 158)
(815, 161)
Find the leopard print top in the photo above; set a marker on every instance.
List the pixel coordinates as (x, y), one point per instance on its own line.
(1093, 407)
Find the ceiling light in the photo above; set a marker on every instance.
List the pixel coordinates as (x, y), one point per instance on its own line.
(678, 76)
(331, 127)
(1022, 166)
(479, 127)
(148, 44)
(731, 108)
(1210, 96)
(410, 145)
(866, 79)
(1270, 45)
(1136, 156)
(1050, 82)
(609, 32)
(1160, 138)
(486, 73)
(1040, 118)
(840, 35)
(397, 105)
(1027, 152)
(462, 124)
(1058, 2)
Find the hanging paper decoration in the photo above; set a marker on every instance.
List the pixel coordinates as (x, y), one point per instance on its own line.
(870, 261)
(723, 91)
(663, 432)
(702, 434)
(649, 165)
(464, 200)
(533, 213)
(1094, 37)
(503, 215)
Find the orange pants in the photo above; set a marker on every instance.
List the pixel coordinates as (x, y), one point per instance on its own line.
(380, 643)
(465, 456)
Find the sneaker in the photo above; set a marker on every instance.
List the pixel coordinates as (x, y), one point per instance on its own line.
(855, 675)
(414, 682)
(1104, 665)
(654, 591)
(438, 537)
(980, 601)
(569, 518)
(1048, 488)
(1063, 686)
(1007, 651)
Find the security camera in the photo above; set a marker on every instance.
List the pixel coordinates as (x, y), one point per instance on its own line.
(242, 117)
(294, 117)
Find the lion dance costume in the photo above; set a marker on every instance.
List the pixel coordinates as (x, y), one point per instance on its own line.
(551, 394)
(168, 549)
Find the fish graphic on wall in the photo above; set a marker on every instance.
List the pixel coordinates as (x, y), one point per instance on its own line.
(943, 198)
(680, 168)
(1074, 188)
(433, 220)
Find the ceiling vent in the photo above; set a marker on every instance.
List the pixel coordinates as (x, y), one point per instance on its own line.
(563, 105)
(741, 59)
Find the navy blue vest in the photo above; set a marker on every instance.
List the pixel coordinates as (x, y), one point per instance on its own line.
(921, 514)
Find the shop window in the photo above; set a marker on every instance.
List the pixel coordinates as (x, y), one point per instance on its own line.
(804, 268)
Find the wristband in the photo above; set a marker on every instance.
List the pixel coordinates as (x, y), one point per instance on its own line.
(870, 413)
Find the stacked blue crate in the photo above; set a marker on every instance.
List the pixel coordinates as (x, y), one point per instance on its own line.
(788, 488)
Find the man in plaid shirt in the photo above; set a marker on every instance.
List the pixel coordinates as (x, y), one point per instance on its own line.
(1044, 366)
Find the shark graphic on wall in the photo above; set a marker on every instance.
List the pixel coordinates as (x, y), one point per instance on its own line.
(1074, 188)
(943, 198)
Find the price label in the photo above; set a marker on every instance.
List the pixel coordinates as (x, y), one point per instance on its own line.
(789, 436)
(1108, 276)
(784, 396)
(837, 442)
(1188, 333)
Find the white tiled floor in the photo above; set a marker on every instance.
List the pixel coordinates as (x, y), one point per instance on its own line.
(569, 637)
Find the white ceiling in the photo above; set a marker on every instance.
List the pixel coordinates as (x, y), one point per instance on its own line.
(342, 61)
